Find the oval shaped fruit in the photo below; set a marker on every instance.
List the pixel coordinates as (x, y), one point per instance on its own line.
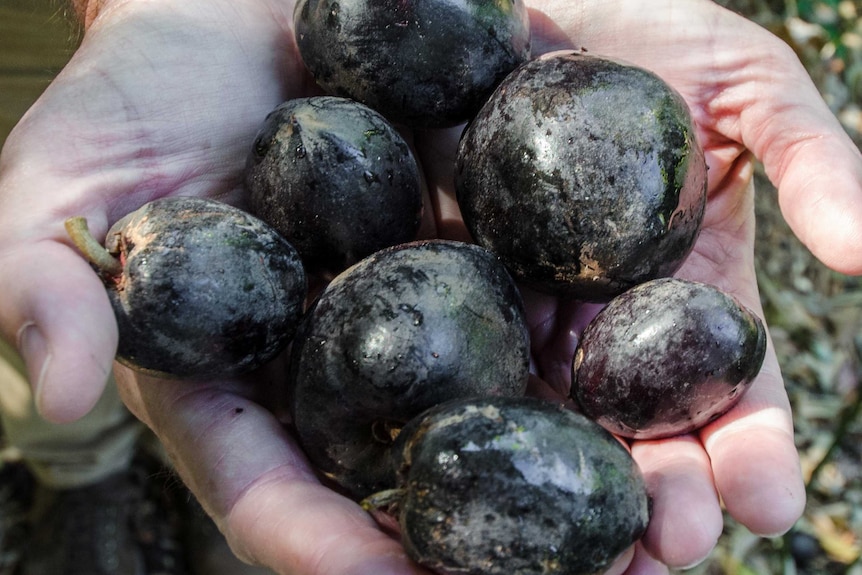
(334, 178)
(402, 330)
(205, 289)
(516, 485)
(665, 358)
(425, 64)
(584, 174)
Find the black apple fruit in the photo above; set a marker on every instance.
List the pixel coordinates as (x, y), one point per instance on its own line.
(429, 63)
(335, 179)
(497, 486)
(404, 329)
(199, 288)
(665, 358)
(584, 174)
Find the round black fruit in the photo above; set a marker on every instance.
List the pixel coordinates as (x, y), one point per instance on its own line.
(665, 358)
(334, 178)
(584, 175)
(199, 288)
(404, 329)
(425, 64)
(516, 485)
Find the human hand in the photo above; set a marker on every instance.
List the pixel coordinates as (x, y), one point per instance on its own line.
(115, 132)
(164, 98)
(750, 97)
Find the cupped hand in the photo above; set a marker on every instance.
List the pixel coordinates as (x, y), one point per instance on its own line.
(160, 99)
(163, 97)
(751, 98)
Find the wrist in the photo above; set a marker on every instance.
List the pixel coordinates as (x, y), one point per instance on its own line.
(86, 10)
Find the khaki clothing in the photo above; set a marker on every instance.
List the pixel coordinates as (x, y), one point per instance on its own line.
(66, 455)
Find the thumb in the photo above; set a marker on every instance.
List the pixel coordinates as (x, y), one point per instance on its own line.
(56, 311)
(809, 157)
(820, 194)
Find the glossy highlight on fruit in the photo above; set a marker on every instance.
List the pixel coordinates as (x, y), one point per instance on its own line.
(584, 174)
(516, 485)
(423, 63)
(334, 178)
(665, 358)
(200, 289)
(404, 329)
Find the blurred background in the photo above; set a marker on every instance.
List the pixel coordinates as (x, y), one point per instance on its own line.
(815, 314)
(36, 40)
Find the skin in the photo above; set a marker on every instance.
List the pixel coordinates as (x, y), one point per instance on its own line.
(122, 125)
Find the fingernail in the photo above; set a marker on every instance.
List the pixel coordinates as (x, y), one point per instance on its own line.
(34, 349)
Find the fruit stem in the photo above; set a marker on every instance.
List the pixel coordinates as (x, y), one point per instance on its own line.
(93, 251)
(382, 499)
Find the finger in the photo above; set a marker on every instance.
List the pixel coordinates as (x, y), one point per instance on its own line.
(754, 459)
(622, 564)
(556, 328)
(686, 519)
(806, 153)
(427, 224)
(820, 194)
(347, 542)
(253, 479)
(436, 150)
(644, 564)
(61, 323)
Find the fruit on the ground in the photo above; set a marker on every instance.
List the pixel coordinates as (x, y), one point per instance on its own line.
(515, 485)
(404, 329)
(199, 288)
(584, 174)
(334, 178)
(425, 64)
(665, 358)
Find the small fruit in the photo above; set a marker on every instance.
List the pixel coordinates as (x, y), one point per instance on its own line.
(199, 288)
(665, 358)
(425, 64)
(516, 485)
(404, 329)
(335, 179)
(584, 175)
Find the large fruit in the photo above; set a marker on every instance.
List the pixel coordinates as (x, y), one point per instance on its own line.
(584, 175)
(199, 288)
(665, 358)
(428, 63)
(335, 179)
(402, 330)
(516, 485)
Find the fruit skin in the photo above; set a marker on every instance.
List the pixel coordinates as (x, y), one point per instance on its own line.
(665, 358)
(516, 485)
(402, 330)
(334, 178)
(206, 289)
(424, 64)
(584, 174)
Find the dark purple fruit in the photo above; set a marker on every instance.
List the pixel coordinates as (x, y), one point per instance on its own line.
(199, 288)
(335, 179)
(665, 358)
(407, 328)
(425, 64)
(516, 485)
(584, 175)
